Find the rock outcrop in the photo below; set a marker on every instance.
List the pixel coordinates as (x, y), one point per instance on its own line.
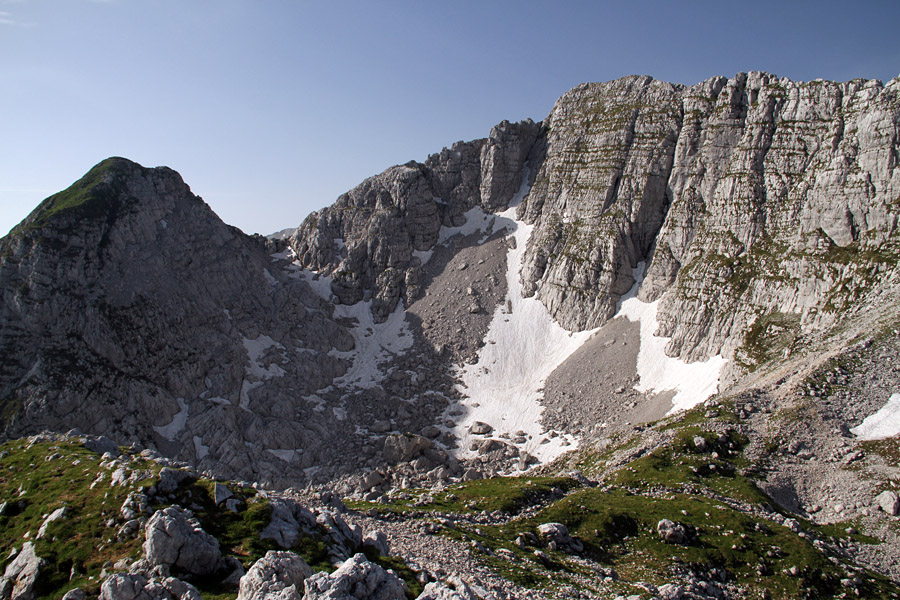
(762, 209)
(367, 240)
(175, 539)
(21, 574)
(355, 579)
(132, 586)
(276, 575)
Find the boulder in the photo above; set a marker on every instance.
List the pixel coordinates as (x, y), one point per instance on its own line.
(283, 528)
(378, 541)
(344, 538)
(672, 532)
(21, 574)
(889, 502)
(453, 588)
(402, 448)
(175, 538)
(275, 576)
(170, 479)
(56, 515)
(101, 445)
(74, 594)
(480, 428)
(221, 493)
(670, 591)
(356, 579)
(555, 532)
(133, 586)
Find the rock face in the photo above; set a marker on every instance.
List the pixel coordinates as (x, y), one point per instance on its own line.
(762, 209)
(21, 574)
(754, 201)
(367, 239)
(131, 586)
(276, 575)
(782, 193)
(175, 539)
(356, 579)
(129, 309)
(760, 212)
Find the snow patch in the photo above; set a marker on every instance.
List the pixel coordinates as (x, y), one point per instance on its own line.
(246, 388)
(285, 455)
(270, 278)
(255, 351)
(883, 424)
(423, 255)
(171, 431)
(477, 221)
(321, 284)
(374, 343)
(199, 449)
(692, 382)
(523, 347)
(287, 254)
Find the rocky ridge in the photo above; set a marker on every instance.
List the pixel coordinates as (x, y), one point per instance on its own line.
(706, 184)
(757, 217)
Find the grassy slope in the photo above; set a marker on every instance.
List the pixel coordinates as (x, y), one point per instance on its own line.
(36, 479)
(712, 492)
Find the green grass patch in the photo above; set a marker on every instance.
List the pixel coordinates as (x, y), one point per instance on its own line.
(504, 494)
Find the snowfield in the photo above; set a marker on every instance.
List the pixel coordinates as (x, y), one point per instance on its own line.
(692, 382)
(522, 348)
(525, 345)
(883, 424)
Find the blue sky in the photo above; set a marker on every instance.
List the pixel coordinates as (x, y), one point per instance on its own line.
(271, 109)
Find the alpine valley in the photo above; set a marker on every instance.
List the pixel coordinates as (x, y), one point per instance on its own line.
(646, 348)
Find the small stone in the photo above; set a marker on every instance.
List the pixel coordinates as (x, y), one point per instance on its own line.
(889, 502)
(480, 428)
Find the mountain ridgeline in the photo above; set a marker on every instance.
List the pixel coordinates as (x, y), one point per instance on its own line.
(543, 303)
(762, 212)
(749, 199)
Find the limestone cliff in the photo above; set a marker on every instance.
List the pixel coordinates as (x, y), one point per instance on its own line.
(367, 239)
(756, 202)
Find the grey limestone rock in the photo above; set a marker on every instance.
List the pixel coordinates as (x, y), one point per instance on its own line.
(174, 538)
(277, 575)
(132, 311)
(378, 541)
(355, 579)
(283, 526)
(889, 502)
(21, 574)
(74, 594)
(133, 586)
(555, 532)
(600, 196)
(366, 239)
(404, 447)
(170, 479)
(453, 588)
(101, 445)
(672, 532)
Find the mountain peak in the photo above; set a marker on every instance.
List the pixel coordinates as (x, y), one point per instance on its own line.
(100, 193)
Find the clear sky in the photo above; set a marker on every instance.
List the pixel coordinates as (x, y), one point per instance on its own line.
(270, 109)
